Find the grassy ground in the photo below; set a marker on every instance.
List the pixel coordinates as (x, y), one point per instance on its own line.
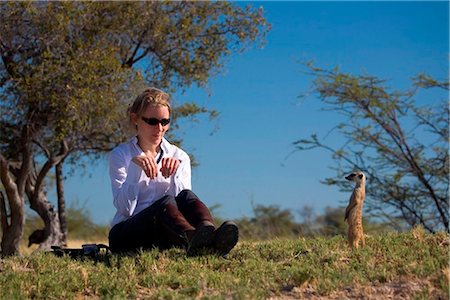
(412, 265)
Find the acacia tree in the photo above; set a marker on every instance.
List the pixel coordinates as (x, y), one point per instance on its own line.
(68, 69)
(398, 138)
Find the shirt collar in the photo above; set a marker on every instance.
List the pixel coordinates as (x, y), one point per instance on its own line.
(164, 144)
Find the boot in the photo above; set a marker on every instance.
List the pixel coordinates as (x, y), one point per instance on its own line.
(202, 237)
(226, 237)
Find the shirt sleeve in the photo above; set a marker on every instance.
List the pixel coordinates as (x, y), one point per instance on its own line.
(183, 174)
(125, 177)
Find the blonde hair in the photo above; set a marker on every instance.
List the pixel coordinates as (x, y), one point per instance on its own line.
(150, 96)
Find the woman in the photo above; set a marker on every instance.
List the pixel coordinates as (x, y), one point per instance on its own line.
(151, 185)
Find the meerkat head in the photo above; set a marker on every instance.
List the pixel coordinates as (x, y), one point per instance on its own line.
(357, 176)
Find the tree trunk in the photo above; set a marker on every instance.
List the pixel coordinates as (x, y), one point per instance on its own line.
(39, 203)
(12, 225)
(12, 230)
(53, 235)
(61, 201)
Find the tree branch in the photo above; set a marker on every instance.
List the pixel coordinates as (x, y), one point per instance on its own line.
(52, 161)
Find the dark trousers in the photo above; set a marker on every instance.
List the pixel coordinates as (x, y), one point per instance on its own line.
(164, 224)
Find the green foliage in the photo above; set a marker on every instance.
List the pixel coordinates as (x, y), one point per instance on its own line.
(69, 69)
(81, 226)
(271, 222)
(282, 267)
(58, 74)
(398, 138)
(333, 223)
(268, 222)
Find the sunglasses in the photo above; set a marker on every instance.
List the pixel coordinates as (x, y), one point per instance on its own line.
(155, 121)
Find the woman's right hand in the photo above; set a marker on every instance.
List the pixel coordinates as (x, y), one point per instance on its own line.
(148, 164)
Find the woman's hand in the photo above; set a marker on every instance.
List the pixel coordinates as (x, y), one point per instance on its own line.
(148, 164)
(169, 166)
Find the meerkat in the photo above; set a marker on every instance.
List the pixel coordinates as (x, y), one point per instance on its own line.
(353, 212)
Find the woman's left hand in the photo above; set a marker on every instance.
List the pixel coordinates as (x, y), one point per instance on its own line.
(169, 166)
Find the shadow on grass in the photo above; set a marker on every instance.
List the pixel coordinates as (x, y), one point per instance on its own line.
(101, 254)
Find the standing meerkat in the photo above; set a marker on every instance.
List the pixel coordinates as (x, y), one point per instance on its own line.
(353, 212)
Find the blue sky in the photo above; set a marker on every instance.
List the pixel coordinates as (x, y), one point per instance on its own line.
(257, 94)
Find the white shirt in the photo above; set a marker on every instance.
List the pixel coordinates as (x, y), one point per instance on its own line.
(132, 190)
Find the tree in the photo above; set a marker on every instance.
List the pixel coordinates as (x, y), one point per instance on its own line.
(268, 222)
(69, 68)
(399, 141)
